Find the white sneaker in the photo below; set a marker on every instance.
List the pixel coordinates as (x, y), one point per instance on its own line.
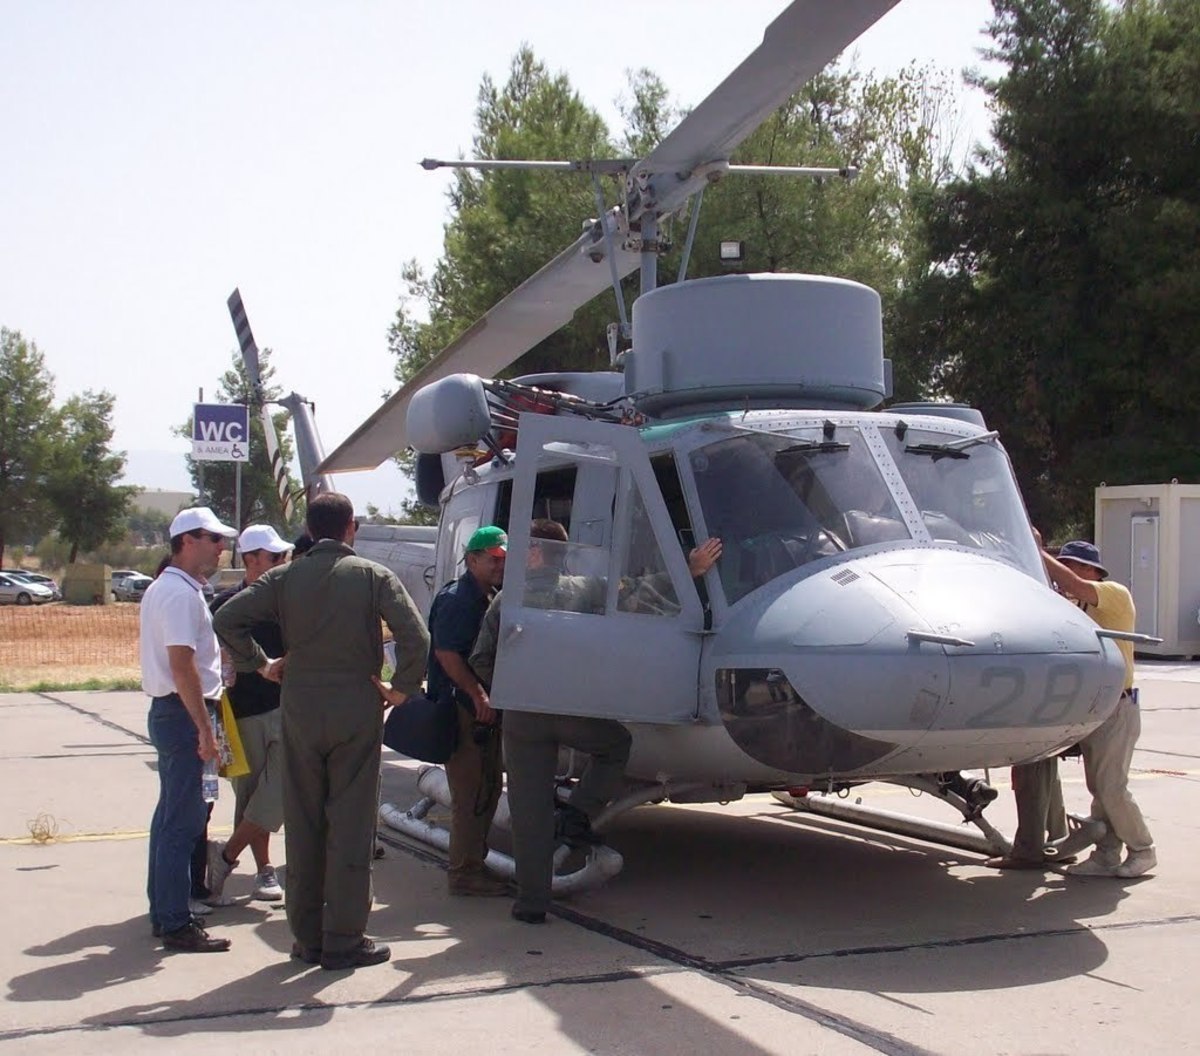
(266, 885)
(218, 872)
(197, 908)
(1138, 863)
(1098, 863)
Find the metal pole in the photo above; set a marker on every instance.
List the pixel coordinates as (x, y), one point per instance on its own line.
(237, 509)
(199, 465)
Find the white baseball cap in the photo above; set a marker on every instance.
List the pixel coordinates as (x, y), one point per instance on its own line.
(262, 537)
(199, 517)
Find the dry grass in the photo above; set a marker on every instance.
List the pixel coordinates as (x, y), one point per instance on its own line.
(60, 646)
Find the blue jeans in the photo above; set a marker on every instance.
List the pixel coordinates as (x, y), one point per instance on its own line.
(179, 816)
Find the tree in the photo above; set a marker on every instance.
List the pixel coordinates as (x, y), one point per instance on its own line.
(260, 498)
(28, 426)
(89, 506)
(1063, 297)
(507, 224)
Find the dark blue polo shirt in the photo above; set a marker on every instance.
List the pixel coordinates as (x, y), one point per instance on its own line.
(454, 620)
(252, 694)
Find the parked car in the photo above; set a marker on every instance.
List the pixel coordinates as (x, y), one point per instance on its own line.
(131, 588)
(14, 591)
(36, 577)
(119, 574)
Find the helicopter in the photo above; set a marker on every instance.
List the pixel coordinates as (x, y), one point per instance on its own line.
(880, 611)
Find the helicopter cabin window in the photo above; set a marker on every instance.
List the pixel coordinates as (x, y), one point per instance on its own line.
(780, 501)
(571, 540)
(645, 584)
(966, 493)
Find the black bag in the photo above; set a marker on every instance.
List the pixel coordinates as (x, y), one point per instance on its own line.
(422, 728)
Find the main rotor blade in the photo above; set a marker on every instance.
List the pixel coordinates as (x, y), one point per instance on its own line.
(537, 308)
(805, 38)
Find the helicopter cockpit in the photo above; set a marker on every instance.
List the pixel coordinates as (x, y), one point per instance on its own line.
(780, 500)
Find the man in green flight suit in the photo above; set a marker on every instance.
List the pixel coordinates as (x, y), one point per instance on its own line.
(329, 608)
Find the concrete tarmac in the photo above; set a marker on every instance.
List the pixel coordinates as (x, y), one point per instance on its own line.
(744, 929)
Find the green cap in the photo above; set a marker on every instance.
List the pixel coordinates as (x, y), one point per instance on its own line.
(488, 540)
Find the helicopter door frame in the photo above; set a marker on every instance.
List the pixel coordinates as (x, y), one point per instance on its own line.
(632, 666)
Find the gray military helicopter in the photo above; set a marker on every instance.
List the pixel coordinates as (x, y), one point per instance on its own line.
(880, 611)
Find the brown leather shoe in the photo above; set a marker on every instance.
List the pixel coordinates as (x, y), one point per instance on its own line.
(192, 938)
(478, 885)
(307, 954)
(363, 955)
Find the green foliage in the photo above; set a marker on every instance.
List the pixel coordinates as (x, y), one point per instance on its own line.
(28, 427)
(507, 224)
(260, 499)
(148, 527)
(53, 553)
(90, 508)
(1064, 295)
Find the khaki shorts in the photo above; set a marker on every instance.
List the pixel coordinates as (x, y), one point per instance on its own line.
(258, 797)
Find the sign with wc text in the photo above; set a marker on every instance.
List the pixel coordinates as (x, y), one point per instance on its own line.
(221, 432)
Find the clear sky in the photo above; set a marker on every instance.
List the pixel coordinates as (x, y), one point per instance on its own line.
(159, 154)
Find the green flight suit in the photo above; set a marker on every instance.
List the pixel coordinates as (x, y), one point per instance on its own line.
(532, 739)
(329, 605)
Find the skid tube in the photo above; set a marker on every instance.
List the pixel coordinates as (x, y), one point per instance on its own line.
(987, 840)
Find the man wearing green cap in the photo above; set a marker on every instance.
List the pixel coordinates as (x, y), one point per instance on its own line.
(474, 770)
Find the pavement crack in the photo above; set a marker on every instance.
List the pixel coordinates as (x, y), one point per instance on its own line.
(96, 717)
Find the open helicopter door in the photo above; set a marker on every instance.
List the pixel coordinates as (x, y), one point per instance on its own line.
(608, 624)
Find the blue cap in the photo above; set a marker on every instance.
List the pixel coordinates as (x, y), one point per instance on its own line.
(1082, 553)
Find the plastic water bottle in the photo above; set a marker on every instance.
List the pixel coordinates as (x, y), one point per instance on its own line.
(209, 787)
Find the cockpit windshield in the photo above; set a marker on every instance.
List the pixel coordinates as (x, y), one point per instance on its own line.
(778, 501)
(966, 493)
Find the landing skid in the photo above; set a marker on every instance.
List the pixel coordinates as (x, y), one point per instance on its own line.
(987, 840)
(601, 864)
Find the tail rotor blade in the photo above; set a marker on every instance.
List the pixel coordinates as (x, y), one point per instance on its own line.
(245, 336)
(279, 469)
(241, 324)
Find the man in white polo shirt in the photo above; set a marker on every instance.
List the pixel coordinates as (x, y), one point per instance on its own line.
(181, 672)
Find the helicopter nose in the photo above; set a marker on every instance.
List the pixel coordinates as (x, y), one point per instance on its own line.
(912, 660)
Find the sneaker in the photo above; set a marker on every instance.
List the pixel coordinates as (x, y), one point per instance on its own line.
(1098, 863)
(218, 872)
(363, 955)
(479, 885)
(197, 908)
(192, 938)
(266, 885)
(1137, 863)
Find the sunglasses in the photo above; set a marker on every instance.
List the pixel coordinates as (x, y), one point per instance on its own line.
(212, 537)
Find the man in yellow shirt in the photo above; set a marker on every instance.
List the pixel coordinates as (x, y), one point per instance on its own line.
(1108, 749)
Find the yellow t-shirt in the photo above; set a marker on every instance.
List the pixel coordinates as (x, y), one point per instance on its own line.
(1114, 611)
